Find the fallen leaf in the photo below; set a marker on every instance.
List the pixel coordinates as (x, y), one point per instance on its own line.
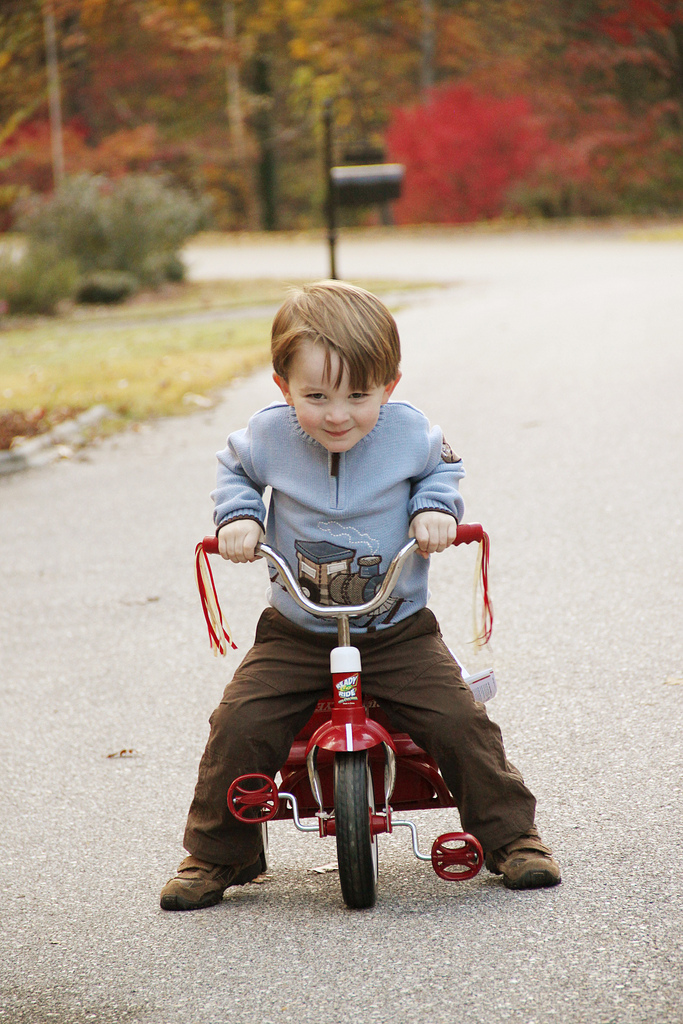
(671, 681)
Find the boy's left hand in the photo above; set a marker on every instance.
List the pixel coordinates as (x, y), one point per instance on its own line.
(433, 531)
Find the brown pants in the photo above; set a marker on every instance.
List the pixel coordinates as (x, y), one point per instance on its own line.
(409, 670)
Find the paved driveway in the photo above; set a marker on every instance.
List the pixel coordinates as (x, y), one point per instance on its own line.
(553, 362)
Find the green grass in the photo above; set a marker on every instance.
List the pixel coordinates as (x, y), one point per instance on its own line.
(138, 371)
(668, 233)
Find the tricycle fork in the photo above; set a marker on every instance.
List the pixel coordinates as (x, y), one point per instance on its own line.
(349, 729)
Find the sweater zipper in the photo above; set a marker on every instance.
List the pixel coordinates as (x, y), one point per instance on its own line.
(333, 463)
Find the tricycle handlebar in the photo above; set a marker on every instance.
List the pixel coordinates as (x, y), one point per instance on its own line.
(467, 533)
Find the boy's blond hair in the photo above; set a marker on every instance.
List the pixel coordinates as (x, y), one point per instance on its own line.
(347, 321)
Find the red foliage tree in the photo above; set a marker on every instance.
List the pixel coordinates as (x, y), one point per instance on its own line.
(621, 121)
(463, 151)
(628, 23)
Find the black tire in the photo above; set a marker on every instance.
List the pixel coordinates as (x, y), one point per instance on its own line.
(356, 846)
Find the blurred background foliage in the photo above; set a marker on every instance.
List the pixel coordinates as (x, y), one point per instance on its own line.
(497, 107)
(97, 239)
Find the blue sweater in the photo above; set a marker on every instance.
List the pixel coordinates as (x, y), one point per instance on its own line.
(340, 519)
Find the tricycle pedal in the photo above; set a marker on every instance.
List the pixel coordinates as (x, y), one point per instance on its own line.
(457, 856)
(253, 798)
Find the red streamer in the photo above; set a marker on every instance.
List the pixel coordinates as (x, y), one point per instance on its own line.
(219, 635)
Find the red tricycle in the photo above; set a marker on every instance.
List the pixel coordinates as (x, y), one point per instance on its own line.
(348, 768)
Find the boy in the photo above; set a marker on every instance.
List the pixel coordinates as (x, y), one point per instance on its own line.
(352, 475)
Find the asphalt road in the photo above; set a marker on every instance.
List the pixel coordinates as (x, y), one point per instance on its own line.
(554, 366)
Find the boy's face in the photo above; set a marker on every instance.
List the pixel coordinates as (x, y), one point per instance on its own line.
(335, 417)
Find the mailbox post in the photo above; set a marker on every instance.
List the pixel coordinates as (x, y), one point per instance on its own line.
(330, 207)
(354, 185)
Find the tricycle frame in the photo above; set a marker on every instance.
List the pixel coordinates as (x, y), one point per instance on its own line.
(344, 766)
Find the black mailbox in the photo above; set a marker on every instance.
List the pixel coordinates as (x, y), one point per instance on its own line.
(365, 184)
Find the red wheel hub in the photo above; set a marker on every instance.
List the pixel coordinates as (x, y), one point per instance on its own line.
(253, 798)
(457, 856)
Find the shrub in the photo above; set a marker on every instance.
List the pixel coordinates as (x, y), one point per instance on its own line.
(136, 225)
(146, 223)
(38, 280)
(107, 286)
(160, 267)
(463, 151)
(174, 268)
(72, 220)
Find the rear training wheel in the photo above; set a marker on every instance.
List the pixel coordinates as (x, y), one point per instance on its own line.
(354, 802)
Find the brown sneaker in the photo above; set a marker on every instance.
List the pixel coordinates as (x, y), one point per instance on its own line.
(199, 884)
(525, 863)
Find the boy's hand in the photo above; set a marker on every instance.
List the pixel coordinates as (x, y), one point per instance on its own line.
(237, 541)
(433, 531)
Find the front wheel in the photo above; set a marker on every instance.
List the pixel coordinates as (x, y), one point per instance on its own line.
(354, 802)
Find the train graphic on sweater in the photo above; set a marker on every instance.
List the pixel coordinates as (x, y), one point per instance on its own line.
(326, 576)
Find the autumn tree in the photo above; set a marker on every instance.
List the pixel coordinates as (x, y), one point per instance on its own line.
(618, 111)
(226, 95)
(136, 96)
(223, 94)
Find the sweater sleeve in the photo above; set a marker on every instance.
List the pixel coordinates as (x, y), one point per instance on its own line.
(436, 487)
(239, 491)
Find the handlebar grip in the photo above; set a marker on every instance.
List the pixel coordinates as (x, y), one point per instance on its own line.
(210, 545)
(468, 533)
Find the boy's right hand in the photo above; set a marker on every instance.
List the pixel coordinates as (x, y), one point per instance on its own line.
(237, 541)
